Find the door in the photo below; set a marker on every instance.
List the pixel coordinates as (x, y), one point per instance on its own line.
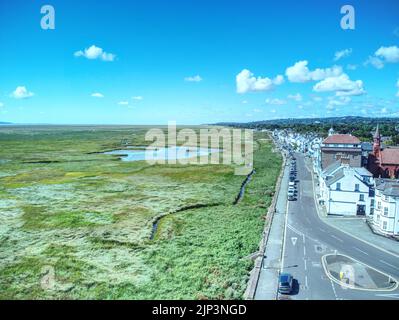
(361, 210)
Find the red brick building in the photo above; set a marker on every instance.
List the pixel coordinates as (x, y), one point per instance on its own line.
(343, 148)
(383, 161)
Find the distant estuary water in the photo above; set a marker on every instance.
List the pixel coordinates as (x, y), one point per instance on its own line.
(167, 153)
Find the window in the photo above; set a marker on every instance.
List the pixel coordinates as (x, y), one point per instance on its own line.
(379, 205)
(385, 211)
(378, 218)
(361, 197)
(338, 186)
(357, 187)
(384, 225)
(372, 203)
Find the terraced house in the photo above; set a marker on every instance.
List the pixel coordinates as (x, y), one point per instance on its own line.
(386, 214)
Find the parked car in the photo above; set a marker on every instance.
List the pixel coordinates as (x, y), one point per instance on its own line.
(291, 197)
(291, 184)
(285, 283)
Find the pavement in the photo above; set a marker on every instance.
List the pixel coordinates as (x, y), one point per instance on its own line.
(306, 238)
(270, 268)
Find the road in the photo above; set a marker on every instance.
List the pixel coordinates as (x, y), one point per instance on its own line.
(307, 239)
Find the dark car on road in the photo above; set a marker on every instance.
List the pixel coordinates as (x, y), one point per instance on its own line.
(285, 283)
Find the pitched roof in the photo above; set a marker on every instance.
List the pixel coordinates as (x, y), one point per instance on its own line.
(363, 172)
(338, 175)
(390, 156)
(342, 138)
(329, 170)
(388, 187)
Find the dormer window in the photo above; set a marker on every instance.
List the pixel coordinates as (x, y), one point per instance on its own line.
(338, 186)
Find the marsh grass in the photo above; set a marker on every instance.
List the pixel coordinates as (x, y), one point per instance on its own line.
(89, 216)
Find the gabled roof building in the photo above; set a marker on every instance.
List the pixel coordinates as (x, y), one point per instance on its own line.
(386, 213)
(347, 191)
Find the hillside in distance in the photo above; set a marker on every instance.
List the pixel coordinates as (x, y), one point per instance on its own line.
(314, 121)
(361, 127)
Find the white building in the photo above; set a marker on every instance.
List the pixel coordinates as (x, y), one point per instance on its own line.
(347, 191)
(386, 212)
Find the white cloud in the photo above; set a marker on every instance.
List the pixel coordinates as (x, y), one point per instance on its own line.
(342, 54)
(375, 62)
(94, 53)
(97, 95)
(138, 98)
(297, 97)
(389, 54)
(300, 72)
(278, 80)
(1, 104)
(342, 85)
(257, 110)
(317, 99)
(276, 102)
(333, 103)
(384, 110)
(383, 55)
(196, 78)
(123, 103)
(246, 82)
(22, 93)
(351, 67)
(359, 91)
(244, 102)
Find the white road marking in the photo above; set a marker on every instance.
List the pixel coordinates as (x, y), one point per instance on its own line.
(388, 264)
(306, 265)
(336, 238)
(284, 237)
(304, 250)
(306, 281)
(295, 230)
(346, 286)
(361, 251)
(335, 292)
(394, 295)
(294, 240)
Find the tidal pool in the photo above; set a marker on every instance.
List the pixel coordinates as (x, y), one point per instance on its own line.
(166, 153)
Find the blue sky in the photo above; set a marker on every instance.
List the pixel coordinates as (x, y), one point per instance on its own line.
(196, 61)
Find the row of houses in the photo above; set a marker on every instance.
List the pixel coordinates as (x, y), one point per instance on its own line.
(353, 178)
(348, 187)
